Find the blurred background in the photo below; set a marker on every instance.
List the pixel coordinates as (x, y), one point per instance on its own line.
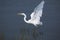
(12, 25)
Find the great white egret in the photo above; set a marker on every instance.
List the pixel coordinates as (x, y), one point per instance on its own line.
(35, 16)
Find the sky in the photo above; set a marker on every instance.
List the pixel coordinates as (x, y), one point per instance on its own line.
(11, 24)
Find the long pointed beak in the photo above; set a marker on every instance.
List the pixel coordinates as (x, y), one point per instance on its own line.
(19, 13)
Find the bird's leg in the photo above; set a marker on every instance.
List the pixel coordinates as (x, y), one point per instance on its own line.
(35, 33)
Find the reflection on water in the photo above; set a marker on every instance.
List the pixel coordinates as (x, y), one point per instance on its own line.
(26, 34)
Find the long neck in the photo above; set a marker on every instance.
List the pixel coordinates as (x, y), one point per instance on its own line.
(25, 18)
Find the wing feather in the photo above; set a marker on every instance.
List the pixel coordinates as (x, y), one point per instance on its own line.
(37, 13)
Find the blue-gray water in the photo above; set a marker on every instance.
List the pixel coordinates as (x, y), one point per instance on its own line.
(11, 23)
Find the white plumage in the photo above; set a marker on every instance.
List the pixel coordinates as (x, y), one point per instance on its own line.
(35, 16)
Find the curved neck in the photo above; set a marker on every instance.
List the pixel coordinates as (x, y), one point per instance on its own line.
(25, 18)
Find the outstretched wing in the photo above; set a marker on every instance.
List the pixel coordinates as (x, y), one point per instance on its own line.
(37, 13)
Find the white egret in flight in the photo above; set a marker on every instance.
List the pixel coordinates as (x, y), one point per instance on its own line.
(35, 15)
